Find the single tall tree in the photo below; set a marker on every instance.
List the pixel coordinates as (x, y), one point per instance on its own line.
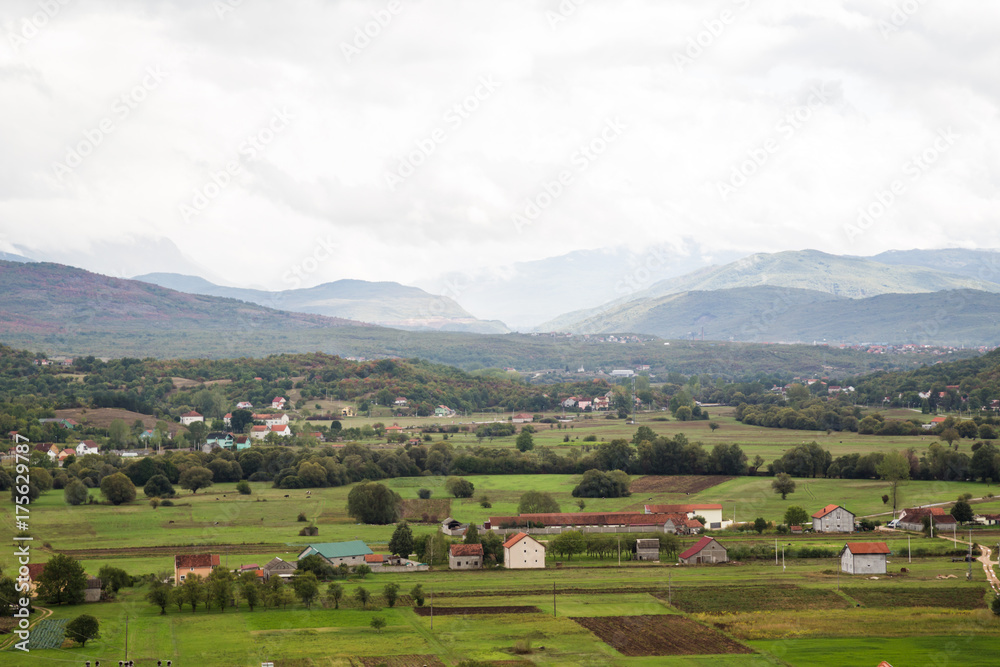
(783, 484)
(62, 580)
(401, 542)
(83, 628)
(895, 469)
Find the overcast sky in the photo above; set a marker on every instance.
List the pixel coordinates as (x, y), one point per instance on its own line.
(251, 141)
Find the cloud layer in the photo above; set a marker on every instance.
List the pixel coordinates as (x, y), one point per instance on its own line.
(313, 141)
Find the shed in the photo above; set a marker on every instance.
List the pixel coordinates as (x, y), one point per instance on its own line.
(705, 550)
(647, 549)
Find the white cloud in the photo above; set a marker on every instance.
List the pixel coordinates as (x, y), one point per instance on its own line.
(690, 123)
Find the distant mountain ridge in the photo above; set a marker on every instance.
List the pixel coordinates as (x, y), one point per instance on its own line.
(789, 315)
(778, 288)
(42, 297)
(384, 303)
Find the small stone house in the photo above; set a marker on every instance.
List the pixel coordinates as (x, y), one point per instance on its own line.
(705, 550)
(647, 549)
(522, 552)
(864, 557)
(465, 557)
(833, 519)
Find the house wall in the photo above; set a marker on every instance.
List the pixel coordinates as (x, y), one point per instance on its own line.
(862, 563)
(181, 574)
(526, 554)
(465, 562)
(349, 560)
(837, 521)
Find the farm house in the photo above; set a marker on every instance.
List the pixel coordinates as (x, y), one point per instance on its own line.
(833, 519)
(864, 557)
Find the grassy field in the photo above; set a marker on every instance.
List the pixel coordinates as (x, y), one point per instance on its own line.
(802, 613)
(770, 443)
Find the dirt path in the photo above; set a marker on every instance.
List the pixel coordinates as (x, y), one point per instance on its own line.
(43, 613)
(984, 558)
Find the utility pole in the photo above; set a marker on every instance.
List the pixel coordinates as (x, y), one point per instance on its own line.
(669, 587)
(126, 637)
(553, 599)
(969, 575)
(776, 551)
(432, 609)
(909, 555)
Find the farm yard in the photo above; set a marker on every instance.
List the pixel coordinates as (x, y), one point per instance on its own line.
(573, 612)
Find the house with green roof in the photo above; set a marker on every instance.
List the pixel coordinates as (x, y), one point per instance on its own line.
(335, 553)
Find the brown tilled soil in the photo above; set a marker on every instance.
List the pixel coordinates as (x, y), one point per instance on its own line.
(415, 508)
(462, 611)
(676, 483)
(102, 418)
(402, 661)
(660, 635)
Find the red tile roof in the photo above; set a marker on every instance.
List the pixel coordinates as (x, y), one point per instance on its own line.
(258, 428)
(374, 558)
(191, 414)
(196, 560)
(698, 546)
(826, 510)
(514, 540)
(868, 547)
(593, 519)
(35, 569)
(467, 550)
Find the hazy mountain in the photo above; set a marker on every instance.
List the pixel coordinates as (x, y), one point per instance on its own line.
(51, 298)
(979, 264)
(384, 303)
(852, 277)
(525, 294)
(782, 314)
(11, 257)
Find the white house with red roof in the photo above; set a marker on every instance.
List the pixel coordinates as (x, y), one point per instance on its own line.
(705, 550)
(278, 403)
(244, 405)
(523, 552)
(189, 418)
(864, 558)
(259, 431)
(281, 429)
(523, 418)
(400, 402)
(833, 519)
